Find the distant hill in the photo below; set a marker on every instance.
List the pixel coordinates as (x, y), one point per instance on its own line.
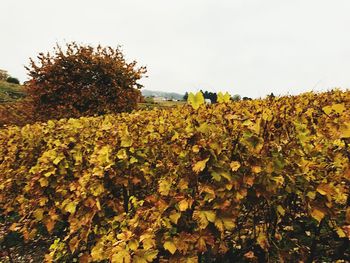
(10, 92)
(167, 95)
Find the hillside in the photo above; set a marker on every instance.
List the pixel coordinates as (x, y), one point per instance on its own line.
(10, 92)
(168, 95)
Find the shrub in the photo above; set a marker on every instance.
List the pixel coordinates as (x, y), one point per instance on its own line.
(83, 80)
(12, 80)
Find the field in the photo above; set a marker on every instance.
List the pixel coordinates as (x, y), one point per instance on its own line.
(161, 104)
(250, 181)
(16, 110)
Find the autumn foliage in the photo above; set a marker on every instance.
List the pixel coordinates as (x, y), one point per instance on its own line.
(261, 180)
(82, 80)
(16, 113)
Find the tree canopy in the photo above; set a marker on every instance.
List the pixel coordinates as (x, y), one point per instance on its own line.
(81, 80)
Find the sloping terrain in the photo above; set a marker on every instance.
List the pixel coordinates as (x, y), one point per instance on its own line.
(10, 92)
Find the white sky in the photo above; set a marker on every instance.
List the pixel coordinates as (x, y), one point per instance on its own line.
(246, 47)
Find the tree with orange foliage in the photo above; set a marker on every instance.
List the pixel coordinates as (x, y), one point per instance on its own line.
(82, 81)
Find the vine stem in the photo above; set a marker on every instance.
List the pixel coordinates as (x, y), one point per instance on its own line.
(8, 251)
(314, 243)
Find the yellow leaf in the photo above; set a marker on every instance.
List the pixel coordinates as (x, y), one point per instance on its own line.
(235, 166)
(340, 232)
(200, 166)
(175, 136)
(103, 154)
(192, 259)
(345, 131)
(311, 195)
(97, 252)
(210, 215)
(70, 207)
(204, 128)
(327, 109)
(219, 224)
(201, 219)
(317, 214)
(267, 115)
(201, 245)
(228, 223)
(133, 244)
(256, 169)
(47, 174)
(183, 184)
(121, 154)
(195, 149)
(174, 217)
(43, 201)
(58, 159)
(324, 189)
(126, 235)
(226, 175)
(183, 205)
(121, 256)
(223, 98)
(150, 255)
(262, 241)
(133, 160)
(281, 210)
(204, 217)
(139, 259)
(164, 186)
(338, 108)
(143, 256)
(43, 182)
(38, 214)
(170, 246)
(195, 100)
(126, 141)
(148, 243)
(98, 204)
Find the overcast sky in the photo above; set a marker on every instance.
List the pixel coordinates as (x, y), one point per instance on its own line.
(246, 47)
